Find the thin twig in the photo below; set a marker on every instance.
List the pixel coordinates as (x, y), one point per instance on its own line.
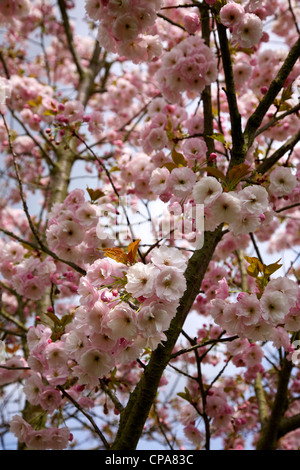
(112, 396)
(89, 417)
(69, 36)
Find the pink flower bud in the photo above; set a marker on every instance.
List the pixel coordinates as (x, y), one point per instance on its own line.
(262, 217)
(191, 23)
(241, 295)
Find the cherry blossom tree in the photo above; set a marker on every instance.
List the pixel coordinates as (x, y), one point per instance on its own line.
(150, 224)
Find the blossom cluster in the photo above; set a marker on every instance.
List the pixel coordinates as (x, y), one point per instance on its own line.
(246, 27)
(242, 210)
(74, 230)
(125, 27)
(123, 310)
(40, 439)
(107, 328)
(266, 316)
(14, 8)
(189, 66)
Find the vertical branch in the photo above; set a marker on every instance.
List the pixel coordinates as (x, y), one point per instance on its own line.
(206, 94)
(135, 414)
(69, 35)
(237, 151)
(271, 428)
(261, 400)
(203, 397)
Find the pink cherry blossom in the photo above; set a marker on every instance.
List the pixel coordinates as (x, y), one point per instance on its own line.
(274, 306)
(207, 190)
(140, 279)
(194, 148)
(231, 14)
(191, 23)
(248, 31)
(181, 181)
(122, 322)
(282, 181)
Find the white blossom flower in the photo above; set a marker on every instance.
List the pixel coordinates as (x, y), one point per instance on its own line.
(231, 14)
(158, 180)
(152, 320)
(248, 307)
(181, 181)
(226, 208)
(140, 279)
(207, 190)
(275, 306)
(245, 222)
(285, 285)
(248, 31)
(122, 322)
(282, 181)
(87, 214)
(95, 363)
(254, 199)
(170, 284)
(168, 256)
(70, 233)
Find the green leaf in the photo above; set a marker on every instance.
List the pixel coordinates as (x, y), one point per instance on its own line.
(54, 318)
(66, 319)
(286, 94)
(219, 137)
(185, 395)
(49, 112)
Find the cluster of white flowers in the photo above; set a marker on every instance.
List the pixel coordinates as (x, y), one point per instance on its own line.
(266, 317)
(243, 210)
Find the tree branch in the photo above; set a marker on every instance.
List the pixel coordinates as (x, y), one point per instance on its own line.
(278, 154)
(288, 424)
(276, 119)
(271, 428)
(135, 414)
(69, 35)
(261, 400)
(91, 420)
(256, 118)
(237, 151)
